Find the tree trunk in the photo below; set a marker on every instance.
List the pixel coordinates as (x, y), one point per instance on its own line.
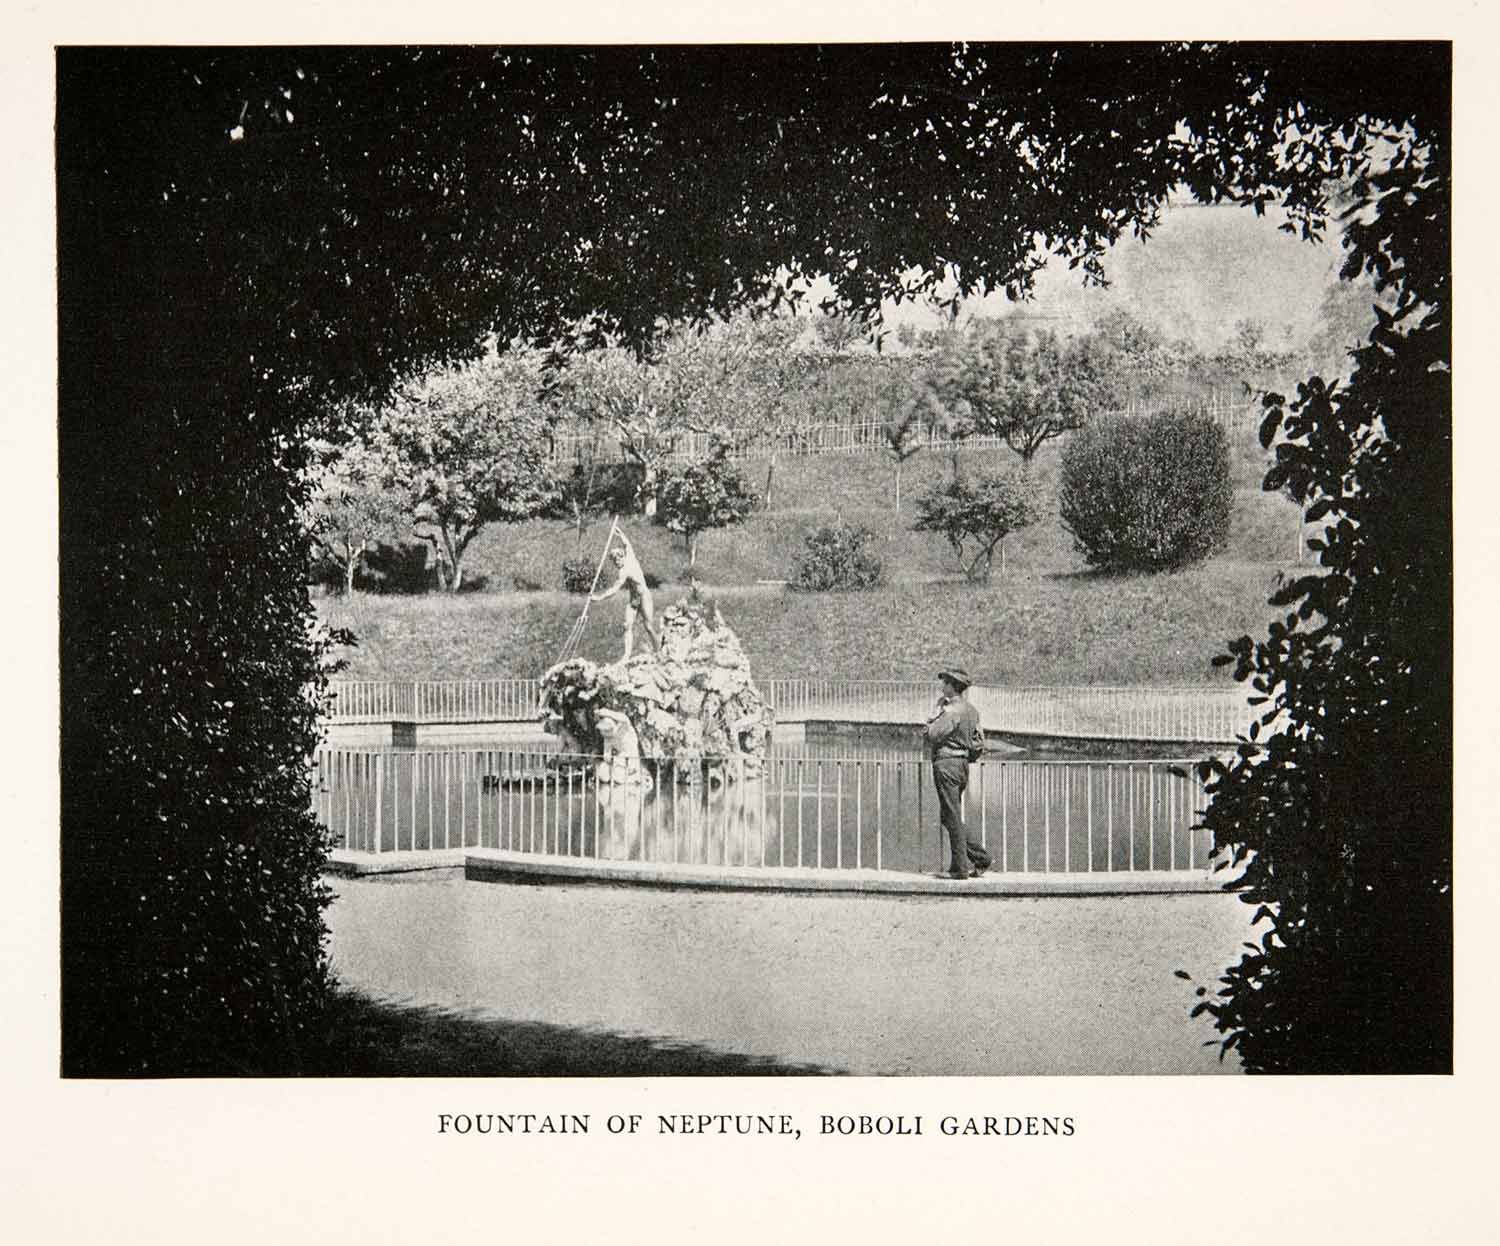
(770, 478)
(898, 488)
(457, 546)
(648, 491)
(439, 560)
(692, 544)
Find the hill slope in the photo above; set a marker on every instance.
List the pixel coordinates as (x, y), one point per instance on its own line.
(1044, 619)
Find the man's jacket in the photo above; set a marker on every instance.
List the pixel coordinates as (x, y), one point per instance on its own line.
(956, 731)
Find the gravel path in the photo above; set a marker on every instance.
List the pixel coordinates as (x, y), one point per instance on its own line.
(856, 984)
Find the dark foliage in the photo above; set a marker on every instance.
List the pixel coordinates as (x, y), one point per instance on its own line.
(1147, 493)
(251, 238)
(1338, 807)
(615, 489)
(399, 567)
(837, 556)
(325, 571)
(386, 567)
(578, 574)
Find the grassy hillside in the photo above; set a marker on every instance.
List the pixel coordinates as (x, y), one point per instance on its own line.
(1045, 619)
(814, 490)
(1052, 628)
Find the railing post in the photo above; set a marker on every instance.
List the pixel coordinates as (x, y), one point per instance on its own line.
(379, 798)
(1150, 817)
(1067, 820)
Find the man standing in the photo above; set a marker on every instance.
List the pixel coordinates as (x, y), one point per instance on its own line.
(955, 738)
(638, 602)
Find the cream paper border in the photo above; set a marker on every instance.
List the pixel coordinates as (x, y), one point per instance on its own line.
(1160, 1160)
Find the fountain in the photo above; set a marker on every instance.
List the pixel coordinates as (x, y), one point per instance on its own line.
(685, 711)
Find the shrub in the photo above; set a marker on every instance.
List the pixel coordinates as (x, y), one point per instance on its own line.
(975, 518)
(578, 577)
(837, 556)
(1147, 493)
(578, 574)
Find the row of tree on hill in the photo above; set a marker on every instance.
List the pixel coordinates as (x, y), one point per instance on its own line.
(458, 448)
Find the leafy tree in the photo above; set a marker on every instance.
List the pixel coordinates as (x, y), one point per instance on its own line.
(465, 447)
(294, 229)
(1146, 365)
(976, 518)
(1026, 388)
(587, 475)
(903, 434)
(768, 413)
(704, 496)
(698, 382)
(351, 509)
(874, 393)
(836, 332)
(717, 373)
(628, 394)
(1131, 337)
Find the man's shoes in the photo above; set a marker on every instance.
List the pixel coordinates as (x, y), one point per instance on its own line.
(956, 877)
(980, 869)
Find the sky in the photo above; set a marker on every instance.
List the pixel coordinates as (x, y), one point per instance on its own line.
(1203, 269)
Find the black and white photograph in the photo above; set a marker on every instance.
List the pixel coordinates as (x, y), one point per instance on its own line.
(643, 600)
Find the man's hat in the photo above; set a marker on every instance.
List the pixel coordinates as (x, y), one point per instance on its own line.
(957, 676)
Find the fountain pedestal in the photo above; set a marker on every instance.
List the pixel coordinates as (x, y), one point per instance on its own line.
(691, 707)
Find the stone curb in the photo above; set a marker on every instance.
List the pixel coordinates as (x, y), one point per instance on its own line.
(494, 865)
(349, 864)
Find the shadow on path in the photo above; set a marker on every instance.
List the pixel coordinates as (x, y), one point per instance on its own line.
(373, 1038)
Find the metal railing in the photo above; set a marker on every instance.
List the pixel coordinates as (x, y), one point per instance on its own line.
(434, 701)
(371, 701)
(477, 700)
(810, 812)
(1198, 714)
(1207, 715)
(852, 700)
(1237, 418)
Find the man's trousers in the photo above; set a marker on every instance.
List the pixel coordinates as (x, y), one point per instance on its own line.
(950, 775)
